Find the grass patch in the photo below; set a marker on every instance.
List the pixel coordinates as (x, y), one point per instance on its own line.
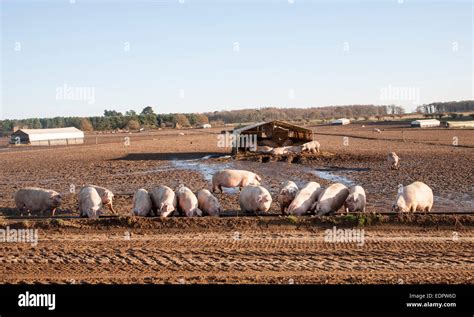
(292, 219)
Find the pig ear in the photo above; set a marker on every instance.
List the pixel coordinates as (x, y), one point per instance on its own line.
(260, 198)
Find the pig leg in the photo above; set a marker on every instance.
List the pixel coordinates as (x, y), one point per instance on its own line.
(52, 212)
(109, 205)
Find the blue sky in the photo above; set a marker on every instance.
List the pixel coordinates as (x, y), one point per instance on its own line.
(182, 57)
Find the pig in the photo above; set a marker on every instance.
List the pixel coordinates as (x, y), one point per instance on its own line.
(356, 199)
(187, 202)
(208, 203)
(304, 199)
(164, 201)
(106, 196)
(141, 203)
(414, 197)
(264, 149)
(234, 178)
(34, 199)
(331, 199)
(312, 147)
(393, 160)
(280, 150)
(377, 130)
(254, 199)
(287, 194)
(90, 202)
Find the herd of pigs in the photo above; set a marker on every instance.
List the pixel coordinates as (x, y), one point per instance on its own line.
(163, 201)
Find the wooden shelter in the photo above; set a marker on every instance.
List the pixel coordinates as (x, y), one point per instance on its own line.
(274, 133)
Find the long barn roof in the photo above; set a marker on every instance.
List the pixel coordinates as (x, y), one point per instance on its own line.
(52, 134)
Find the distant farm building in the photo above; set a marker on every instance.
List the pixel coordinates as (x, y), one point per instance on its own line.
(46, 137)
(460, 124)
(206, 126)
(273, 133)
(342, 121)
(425, 123)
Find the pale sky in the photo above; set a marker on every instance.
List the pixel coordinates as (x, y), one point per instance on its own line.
(201, 56)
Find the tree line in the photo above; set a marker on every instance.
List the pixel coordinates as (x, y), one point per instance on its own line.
(147, 118)
(304, 114)
(111, 120)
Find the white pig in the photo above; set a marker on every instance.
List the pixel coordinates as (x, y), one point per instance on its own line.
(164, 201)
(254, 199)
(264, 149)
(287, 194)
(106, 195)
(280, 150)
(187, 202)
(304, 199)
(34, 199)
(331, 199)
(90, 202)
(234, 178)
(312, 147)
(208, 203)
(141, 203)
(393, 160)
(356, 200)
(414, 197)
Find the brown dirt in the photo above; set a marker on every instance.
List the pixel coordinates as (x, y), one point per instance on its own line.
(406, 249)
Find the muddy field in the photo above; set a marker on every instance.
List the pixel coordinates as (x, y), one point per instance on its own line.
(269, 249)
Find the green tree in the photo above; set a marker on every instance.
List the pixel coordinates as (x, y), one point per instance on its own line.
(148, 110)
(111, 113)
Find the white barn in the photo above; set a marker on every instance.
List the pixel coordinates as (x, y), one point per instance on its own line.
(460, 124)
(342, 121)
(58, 136)
(426, 123)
